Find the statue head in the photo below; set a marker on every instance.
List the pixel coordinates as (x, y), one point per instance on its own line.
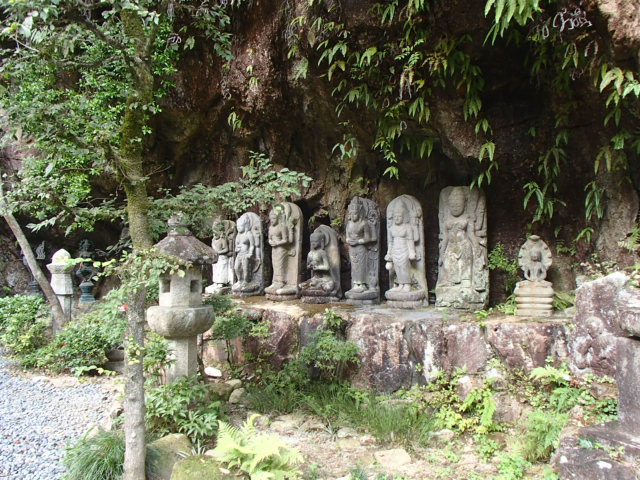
(355, 211)
(276, 214)
(457, 201)
(399, 214)
(316, 240)
(243, 223)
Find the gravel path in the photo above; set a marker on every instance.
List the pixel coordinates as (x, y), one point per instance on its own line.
(38, 416)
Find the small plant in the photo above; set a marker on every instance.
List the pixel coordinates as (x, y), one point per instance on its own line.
(101, 456)
(563, 300)
(512, 467)
(185, 407)
(498, 260)
(23, 325)
(542, 434)
(259, 456)
(329, 351)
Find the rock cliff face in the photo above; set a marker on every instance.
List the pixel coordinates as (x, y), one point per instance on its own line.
(293, 119)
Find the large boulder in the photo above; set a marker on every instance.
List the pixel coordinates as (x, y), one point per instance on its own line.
(171, 448)
(592, 345)
(200, 467)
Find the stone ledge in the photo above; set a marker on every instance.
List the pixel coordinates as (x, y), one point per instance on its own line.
(405, 347)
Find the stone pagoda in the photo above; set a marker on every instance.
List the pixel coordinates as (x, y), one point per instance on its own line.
(181, 316)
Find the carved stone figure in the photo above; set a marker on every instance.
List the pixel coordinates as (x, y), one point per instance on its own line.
(86, 271)
(324, 262)
(405, 253)
(363, 238)
(463, 277)
(249, 256)
(223, 243)
(534, 296)
(285, 238)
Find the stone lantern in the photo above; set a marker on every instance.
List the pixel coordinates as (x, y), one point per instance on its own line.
(62, 284)
(180, 317)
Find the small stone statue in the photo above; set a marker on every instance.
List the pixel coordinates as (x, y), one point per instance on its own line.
(324, 262)
(249, 256)
(224, 234)
(86, 271)
(363, 238)
(463, 278)
(405, 253)
(41, 254)
(285, 238)
(534, 296)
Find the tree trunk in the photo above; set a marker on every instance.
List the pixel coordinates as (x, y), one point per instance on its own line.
(134, 181)
(59, 317)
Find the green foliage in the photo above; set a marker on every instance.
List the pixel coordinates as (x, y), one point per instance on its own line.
(440, 399)
(329, 351)
(156, 356)
(101, 456)
(260, 456)
(68, 84)
(183, 406)
(23, 324)
(542, 434)
(393, 81)
(498, 260)
(81, 343)
(259, 185)
(563, 300)
(512, 467)
(557, 391)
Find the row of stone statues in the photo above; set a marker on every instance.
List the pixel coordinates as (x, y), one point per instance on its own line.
(462, 278)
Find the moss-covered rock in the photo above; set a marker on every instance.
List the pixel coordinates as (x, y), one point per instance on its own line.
(220, 391)
(170, 448)
(198, 467)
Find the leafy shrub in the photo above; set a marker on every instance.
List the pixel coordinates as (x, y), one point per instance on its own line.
(498, 260)
(329, 351)
(156, 356)
(185, 407)
(101, 456)
(23, 324)
(259, 456)
(542, 434)
(81, 343)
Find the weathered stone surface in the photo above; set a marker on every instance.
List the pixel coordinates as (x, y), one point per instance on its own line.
(592, 343)
(198, 467)
(629, 312)
(574, 462)
(178, 321)
(220, 391)
(392, 348)
(171, 448)
(526, 345)
(628, 380)
(465, 347)
(249, 261)
(394, 458)
(237, 395)
(363, 237)
(405, 258)
(285, 238)
(463, 276)
(282, 342)
(223, 244)
(324, 262)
